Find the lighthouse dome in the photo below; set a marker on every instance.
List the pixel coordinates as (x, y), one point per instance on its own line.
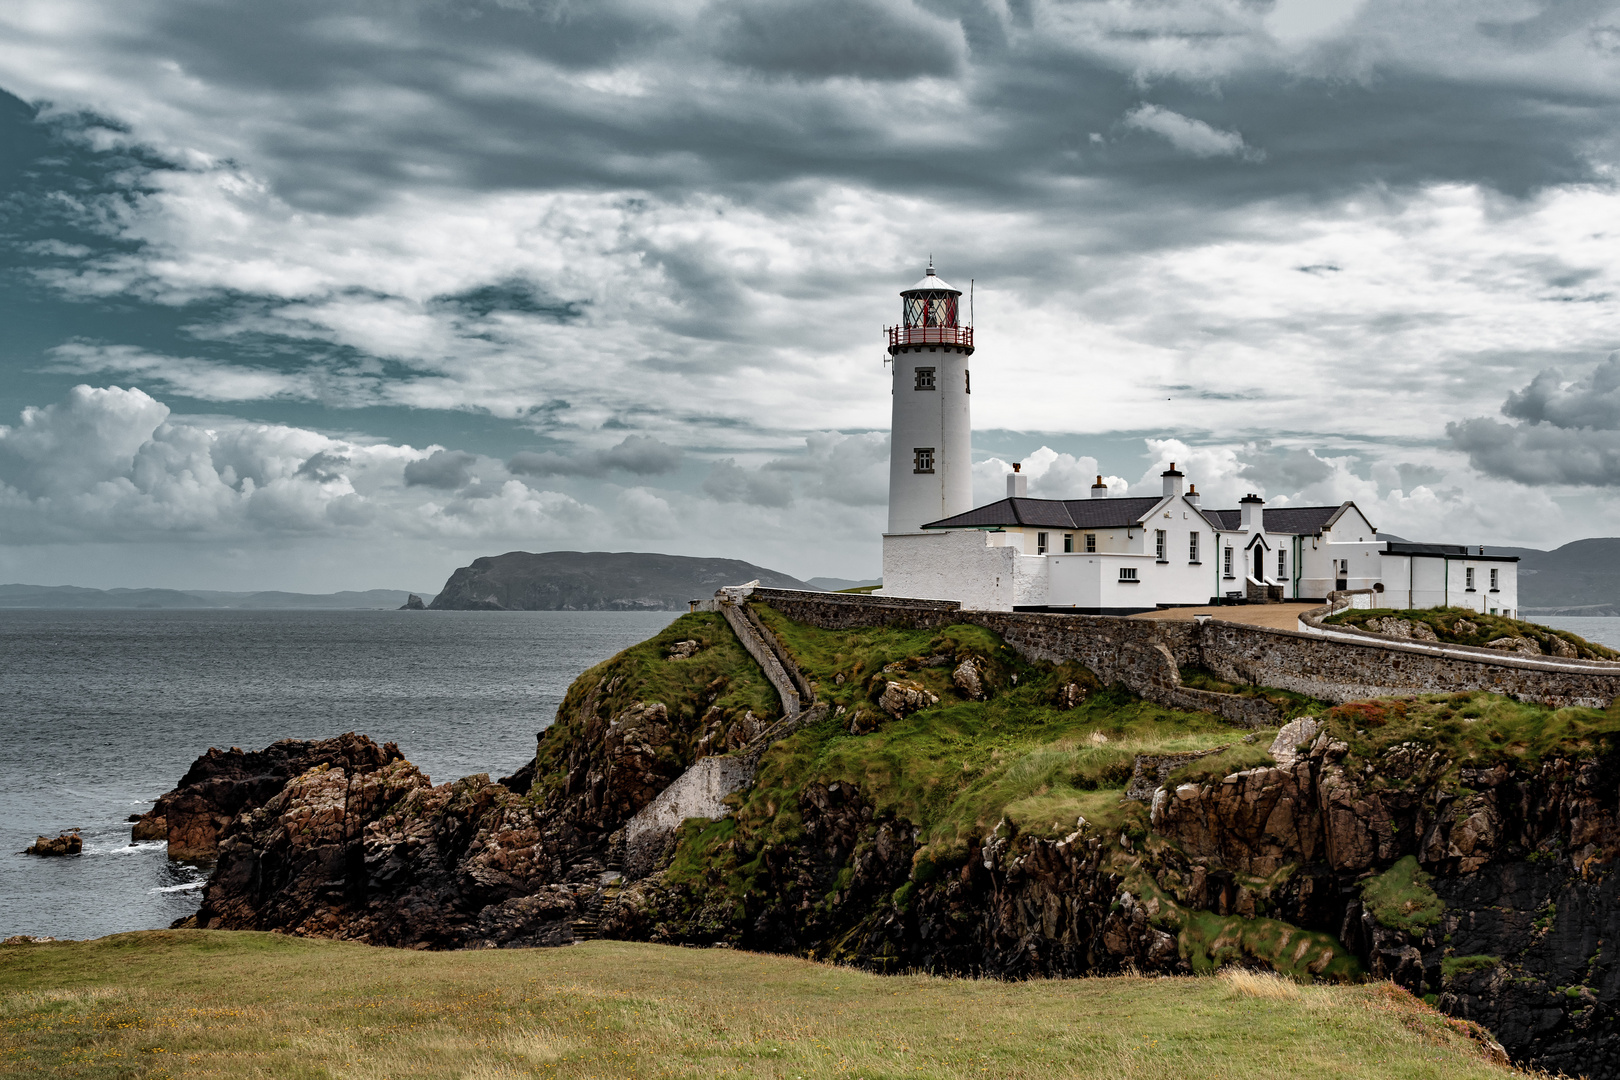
(931, 282)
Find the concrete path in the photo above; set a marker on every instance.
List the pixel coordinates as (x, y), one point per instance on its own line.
(1276, 616)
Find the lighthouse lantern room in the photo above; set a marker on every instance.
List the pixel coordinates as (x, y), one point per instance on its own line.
(931, 439)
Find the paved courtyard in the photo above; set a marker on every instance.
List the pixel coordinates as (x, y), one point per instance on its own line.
(1281, 616)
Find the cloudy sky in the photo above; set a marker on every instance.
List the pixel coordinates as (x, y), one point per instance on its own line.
(341, 294)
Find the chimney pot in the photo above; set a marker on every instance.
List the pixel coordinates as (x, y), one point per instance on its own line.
(1099, 490)
(1017, 483)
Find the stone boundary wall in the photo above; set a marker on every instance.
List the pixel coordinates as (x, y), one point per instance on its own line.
(1144, 654)
(763, 655)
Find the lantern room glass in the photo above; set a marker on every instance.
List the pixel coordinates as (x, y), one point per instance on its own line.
(930, 308)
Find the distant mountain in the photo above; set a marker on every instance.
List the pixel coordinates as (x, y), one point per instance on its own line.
(596, 581)
(838, 584)
(1580, 578)
(62, 597)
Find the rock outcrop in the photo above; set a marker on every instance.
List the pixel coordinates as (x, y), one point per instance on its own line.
(69, 843)
(222, 784)
(413, 603)
(595, 581)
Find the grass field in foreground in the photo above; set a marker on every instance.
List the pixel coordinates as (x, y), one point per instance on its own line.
(211, 1004)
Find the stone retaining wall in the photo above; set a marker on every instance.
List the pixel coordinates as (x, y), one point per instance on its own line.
(1145, 654)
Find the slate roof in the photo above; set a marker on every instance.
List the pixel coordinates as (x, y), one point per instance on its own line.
(1119, 514)
(1051, 514)
(1291, 520)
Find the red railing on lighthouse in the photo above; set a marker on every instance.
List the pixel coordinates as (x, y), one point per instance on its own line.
(930, 335)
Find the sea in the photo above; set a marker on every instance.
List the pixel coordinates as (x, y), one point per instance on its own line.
(103, 711)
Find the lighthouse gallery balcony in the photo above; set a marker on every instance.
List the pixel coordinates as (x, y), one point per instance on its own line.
(930, 335)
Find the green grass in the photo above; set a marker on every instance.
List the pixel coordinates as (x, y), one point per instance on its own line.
(1471, 729)
(1445, 624)
(721, 676)
(1400, 897)
(1459, 965)
(198, 1004)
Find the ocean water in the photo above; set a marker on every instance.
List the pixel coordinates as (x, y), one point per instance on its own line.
(1597, 631)
(102, 711)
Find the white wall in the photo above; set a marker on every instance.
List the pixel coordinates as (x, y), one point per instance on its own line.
(957, 565)
(1424, 582)
(938, 418)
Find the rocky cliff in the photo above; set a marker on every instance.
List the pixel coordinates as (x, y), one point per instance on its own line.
(595, 581)
(964, 809)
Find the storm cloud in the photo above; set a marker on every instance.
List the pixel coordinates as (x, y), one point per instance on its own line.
(641, 253)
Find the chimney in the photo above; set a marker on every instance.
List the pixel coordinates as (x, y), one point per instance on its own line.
(1192, 494)
(1099, 490)
(1017, 482)
(1172, 481)
(1251, 520)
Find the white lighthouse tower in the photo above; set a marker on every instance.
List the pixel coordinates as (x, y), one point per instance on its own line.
(931, 438)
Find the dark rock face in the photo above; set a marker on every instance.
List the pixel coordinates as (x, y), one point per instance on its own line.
(413, 603)
(358, 845)
(595, 581)
(221, 784)
(69, 843)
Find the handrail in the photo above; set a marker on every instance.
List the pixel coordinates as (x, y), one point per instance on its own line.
(929, 335)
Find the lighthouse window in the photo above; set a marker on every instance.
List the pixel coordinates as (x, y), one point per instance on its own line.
(967, 380)
(925, 378)
(924, 458)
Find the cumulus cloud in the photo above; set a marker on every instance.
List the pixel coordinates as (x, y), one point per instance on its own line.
(1189, 135)
(642, 455)
(1570, 433)
(114, 464)
(729, 482)
(445, 469)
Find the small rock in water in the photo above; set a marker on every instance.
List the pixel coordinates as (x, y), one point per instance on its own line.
(413, 603)
(69, 843)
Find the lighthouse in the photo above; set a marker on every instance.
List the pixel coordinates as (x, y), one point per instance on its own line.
(931, 437)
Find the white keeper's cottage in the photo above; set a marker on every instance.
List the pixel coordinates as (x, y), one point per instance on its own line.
(1117, 556)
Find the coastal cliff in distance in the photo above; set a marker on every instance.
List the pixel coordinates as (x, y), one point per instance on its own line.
(596, 581)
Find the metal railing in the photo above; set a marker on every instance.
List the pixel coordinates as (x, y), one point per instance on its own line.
(930, 335)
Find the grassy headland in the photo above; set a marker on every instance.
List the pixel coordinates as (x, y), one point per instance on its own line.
(245, 1005)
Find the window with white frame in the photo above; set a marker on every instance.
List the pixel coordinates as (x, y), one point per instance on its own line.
(1040, 543)
(1494, 579)
(1282, 563)
(1468, 578)
(1127, 573)
(925, 378)
(1159, 543)
(1091, 542)
(1226, 563)
(1192, 547)
(1068, 543)
(923, 456)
